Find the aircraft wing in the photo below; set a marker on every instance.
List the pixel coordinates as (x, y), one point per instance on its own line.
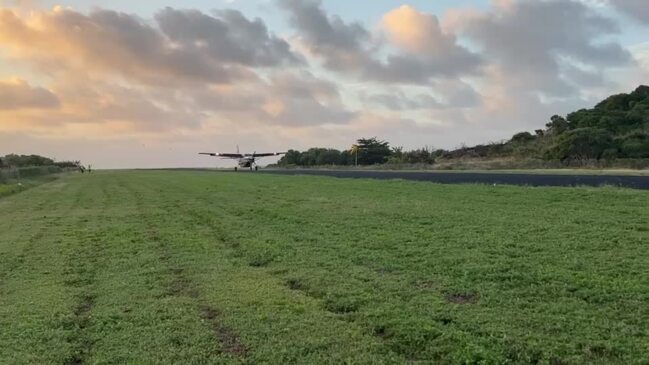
(266, 154)
(226, 155)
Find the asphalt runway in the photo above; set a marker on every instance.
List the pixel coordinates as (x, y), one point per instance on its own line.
(633, 182)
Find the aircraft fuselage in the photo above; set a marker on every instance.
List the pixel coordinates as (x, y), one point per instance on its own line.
(246, 162)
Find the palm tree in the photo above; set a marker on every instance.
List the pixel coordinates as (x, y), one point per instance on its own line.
(354, 150)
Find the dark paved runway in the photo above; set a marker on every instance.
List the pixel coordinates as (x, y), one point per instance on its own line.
(634, 182)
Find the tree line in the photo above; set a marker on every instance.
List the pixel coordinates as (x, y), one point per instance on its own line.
(18, 161)
(616, 128)
(366, 151)
(13, 166)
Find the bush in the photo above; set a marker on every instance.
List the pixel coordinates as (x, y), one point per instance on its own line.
(27, 160)
(580, 145)
(34, 171)
(7, 175)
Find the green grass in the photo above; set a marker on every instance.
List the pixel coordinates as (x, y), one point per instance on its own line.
(220, 268)
(12, 186)
(8, 189)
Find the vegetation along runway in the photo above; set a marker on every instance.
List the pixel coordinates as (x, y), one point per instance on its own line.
(198, 267)
(468, 177)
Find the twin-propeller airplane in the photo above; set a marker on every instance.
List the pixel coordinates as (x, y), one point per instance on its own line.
(247, 160)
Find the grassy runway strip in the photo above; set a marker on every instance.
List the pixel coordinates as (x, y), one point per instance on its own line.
(208, 268)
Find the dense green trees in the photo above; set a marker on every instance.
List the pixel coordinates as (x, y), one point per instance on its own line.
(26, 160)
(19, 161)
(419, 156)
(580, 144)
(616, 128)
(366, 151)
(314, 157)
(370, 151)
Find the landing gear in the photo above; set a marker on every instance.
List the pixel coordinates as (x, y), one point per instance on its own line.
(236, 169)
(256, 168)
(250, 168)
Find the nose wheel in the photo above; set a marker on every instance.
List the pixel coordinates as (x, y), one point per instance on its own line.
(252, 168)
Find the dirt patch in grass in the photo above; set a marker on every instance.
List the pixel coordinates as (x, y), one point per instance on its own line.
(462, 298)
(296, 284)
(74, 360)
(229, 340)
(341, 305)
(85, 305)
(81, 319)
(445, 320)
(180, 285)
(381, 332)
(425, 285)
(261, 261)
(80, 275)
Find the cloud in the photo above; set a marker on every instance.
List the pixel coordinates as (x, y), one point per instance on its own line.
(188, 79)
(228, 37)
(637, 9)
(291, 99)
(341, 45)
(445, 94)
(94, 105)
(322, 31)
(188, 46)
(301, 100)
(398, 100)
(420, 33)
(18, 94)
(537, 41)
(427, 52)
(122, 72)
(285, 100)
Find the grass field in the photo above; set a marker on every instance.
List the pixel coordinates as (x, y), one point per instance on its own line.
(222, 268)
(8, 189)
(15, 186)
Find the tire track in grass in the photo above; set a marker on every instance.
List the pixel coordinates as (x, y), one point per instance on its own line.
(343, 308)
(134, 319)
(340, 308)
(181, 285)
(83, 264)
(209, 234)
(31, 282)
(12, 263)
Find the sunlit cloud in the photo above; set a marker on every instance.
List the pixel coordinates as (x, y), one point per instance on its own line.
(181, 79)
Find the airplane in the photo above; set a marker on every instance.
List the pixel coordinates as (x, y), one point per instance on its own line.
(243, 160)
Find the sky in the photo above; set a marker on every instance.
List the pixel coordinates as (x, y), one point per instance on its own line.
(126, 84)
